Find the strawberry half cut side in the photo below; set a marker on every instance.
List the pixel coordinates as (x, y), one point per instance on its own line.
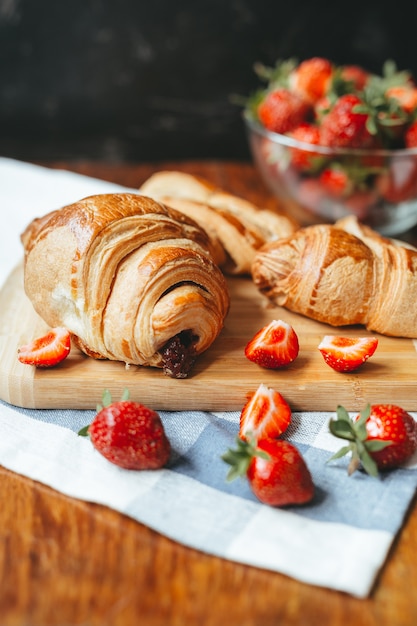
(345, 354)
(274, 346)
(266, 414)
(48, 350)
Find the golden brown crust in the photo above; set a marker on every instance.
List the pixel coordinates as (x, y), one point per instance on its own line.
(240, 227)
(111, 267)
(342, 278)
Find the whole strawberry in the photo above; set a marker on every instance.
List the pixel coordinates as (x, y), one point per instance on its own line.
(383, 436)
(277, 473)
(344, 127)
(129, 434)
(311, 78)
(282, 110)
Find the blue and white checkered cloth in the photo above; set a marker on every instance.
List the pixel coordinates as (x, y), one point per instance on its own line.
(351, 520)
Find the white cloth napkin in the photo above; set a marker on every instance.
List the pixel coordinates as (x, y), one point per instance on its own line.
(340, 540)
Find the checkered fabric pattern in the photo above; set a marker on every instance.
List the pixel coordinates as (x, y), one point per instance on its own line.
(350, 519)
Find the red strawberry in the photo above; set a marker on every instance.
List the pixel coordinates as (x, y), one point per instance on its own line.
(274, 346)
(48, 350)
(342, 127)
(336, 181)
(411, 136)
(266, 414)
(282, 110)
(383, 436)
(304, 158)
(322, 108)
(345, 354)
(129, 435)
(311, 78)
(405, 95)
(355, 75)
(277, 473)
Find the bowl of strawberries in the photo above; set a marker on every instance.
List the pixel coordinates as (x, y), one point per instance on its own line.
(334, 140)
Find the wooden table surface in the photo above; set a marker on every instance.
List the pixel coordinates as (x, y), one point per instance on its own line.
(65, 562)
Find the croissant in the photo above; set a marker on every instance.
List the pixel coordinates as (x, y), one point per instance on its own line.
(342, 274)
(236, 227)
(132, 279)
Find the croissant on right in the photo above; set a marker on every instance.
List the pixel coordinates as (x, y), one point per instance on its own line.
(342, 274)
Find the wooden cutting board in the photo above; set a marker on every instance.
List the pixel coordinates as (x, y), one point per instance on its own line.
(221, 378)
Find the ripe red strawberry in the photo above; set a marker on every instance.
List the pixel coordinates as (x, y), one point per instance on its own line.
(277, 472)
(266, 414)
(411, 136)
(345, 354)
(382, 436)
(282, 110)
(342, 127)
(355, 75)
(405, 96)
(311, 78)
(304, 159)
(129, 434)
(336, 181)
(48, 350)
(274, 346)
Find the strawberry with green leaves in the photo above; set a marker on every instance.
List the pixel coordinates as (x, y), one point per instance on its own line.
(266, 414)
(275, 469)
(344, 126)
(381, 437)
(128, 434)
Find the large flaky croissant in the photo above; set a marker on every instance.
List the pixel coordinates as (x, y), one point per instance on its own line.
(132, 279)
(343, 274)
(236, 227)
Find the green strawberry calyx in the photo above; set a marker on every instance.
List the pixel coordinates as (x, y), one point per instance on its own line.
(239, 458)
(359, 446)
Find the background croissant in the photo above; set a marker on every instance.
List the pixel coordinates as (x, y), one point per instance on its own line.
(131, 279)
(342, 274)
(236, 227)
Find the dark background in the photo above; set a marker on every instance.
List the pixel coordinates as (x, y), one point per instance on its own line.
(132, 80)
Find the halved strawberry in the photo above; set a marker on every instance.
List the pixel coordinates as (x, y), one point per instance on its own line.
(266, 414)
(48, 350)
(345, 354)
(274, 346)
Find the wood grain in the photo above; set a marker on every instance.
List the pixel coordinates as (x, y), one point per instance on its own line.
(66, 562)
(222, 376)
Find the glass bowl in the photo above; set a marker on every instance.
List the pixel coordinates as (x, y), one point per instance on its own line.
(308, 180)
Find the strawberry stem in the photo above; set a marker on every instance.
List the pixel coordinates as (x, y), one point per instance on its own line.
(240, 457)
(360, 447)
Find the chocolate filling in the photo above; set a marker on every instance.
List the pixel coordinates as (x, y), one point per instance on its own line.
(179, 354)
